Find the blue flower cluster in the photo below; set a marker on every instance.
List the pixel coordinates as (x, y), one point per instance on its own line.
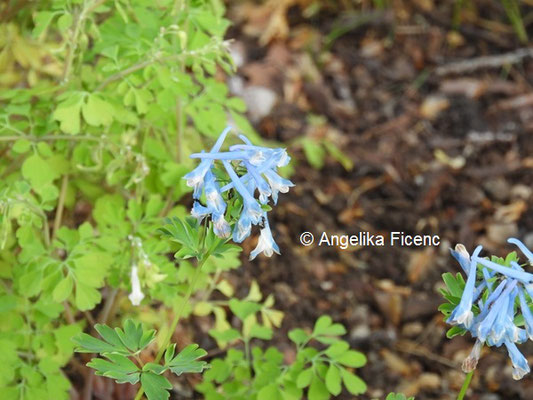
(502, 294)
(259, 166)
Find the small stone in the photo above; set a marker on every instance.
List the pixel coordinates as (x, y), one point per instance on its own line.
(498, 188)
(499, 232)
(412, 329)
(259, 101)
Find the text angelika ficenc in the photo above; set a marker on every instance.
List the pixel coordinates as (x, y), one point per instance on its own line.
(367, 239)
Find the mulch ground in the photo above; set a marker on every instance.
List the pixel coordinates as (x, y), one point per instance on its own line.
(438, 125)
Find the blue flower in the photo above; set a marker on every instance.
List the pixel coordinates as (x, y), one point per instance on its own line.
(251, 169)
(195, 178)
(199, 211)
(266, 243)
(243, 228)
(463, 315)
(462, 256)
(277, 184)
(221, 226)
(250, 205)
(214, 199)
(498, 288)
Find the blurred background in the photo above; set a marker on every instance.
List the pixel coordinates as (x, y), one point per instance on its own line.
(400, 115)
(413, 116)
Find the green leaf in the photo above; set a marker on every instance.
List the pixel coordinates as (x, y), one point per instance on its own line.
(90, 271)
(63, 289)
(86, 297)
(261, 332)
(97, 112)
(314, 152)
(155, 386)
(298, 336)
(351, 358)
(42, 21)
(182, 232)
(269, 392)
(146, 338)
(398, 396)
(304, 378)
(318, 390)
(187, 360)
(119, 367)
(131, 335)
(64, 22)
(38, 171)
(243, 309)
(155, 368)
(68, 114)
(325, 326)
(453, 284)
(21, 146)
(225, 336)
(89, 344)
(169, 353)
(353, 383)
(333, 380)
(111, 337)
(455, 331)
(338, 155)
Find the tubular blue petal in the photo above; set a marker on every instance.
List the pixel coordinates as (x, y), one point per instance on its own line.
(526, 312)
(214, 199)
(262, 185)
(520, 365)
(195, 178)
(199, 211)
(510, 272)
(242, 228)
(266, 243)
(251, 206)
(499, 307)
(221, 227)
(522, 248)
(277, 184)
(462, 314)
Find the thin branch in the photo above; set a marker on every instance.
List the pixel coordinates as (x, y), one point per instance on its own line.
(68, 313)
(123, 73)
(78, 24)
(485, 62)
(60, 206)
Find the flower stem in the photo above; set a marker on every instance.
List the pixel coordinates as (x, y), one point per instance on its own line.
(466, 384)
(179, 312)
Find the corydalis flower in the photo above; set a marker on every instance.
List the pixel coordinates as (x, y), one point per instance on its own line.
(136, 294)
(265, 244)
(252, 170)
(503, 292)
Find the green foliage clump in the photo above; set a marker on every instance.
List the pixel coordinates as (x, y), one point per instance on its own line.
(262, 374)
(100, 104)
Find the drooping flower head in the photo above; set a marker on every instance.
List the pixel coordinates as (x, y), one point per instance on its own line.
(496, 292)
(251, 171)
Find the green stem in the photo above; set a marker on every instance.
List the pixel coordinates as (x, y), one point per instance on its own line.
(466, 384)
(60, 205)
(179, 312)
